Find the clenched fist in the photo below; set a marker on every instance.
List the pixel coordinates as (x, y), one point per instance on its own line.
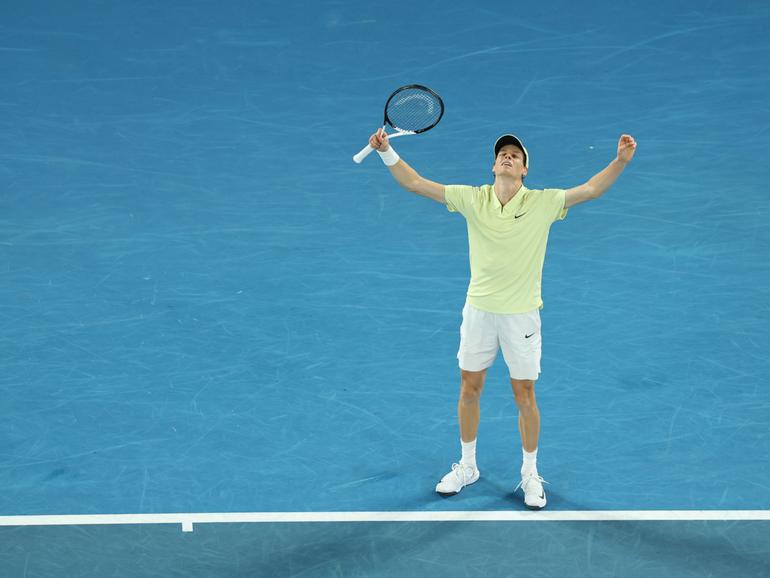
(626, 148)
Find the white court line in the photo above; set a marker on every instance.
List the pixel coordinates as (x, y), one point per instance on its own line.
(187, 520)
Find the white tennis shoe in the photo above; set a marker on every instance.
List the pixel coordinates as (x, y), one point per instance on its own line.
(534, 494)
(460, 476)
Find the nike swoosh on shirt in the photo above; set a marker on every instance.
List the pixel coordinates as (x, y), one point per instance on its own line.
(517, 216)
(528, 336)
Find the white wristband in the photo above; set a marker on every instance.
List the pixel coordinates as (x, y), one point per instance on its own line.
(389, 157)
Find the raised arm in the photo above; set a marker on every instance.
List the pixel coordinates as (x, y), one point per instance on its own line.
(405, 175)
(596, 186)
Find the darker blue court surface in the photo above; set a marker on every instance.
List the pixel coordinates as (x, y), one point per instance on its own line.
(206, 306)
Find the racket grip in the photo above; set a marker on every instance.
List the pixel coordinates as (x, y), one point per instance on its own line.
(362, 154)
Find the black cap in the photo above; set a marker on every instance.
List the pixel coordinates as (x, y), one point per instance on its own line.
(507, 139)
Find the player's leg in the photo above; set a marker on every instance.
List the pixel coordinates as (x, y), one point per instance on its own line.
(468, 413)
(465, 472)
(529, 428)
(478, 349)
(529, 414)
(521, 344)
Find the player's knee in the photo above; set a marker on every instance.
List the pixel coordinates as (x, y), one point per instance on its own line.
(470, 393)
(471, 384)
(524, 392)
(524, 401)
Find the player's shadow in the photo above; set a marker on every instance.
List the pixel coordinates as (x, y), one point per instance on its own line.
(348, 549)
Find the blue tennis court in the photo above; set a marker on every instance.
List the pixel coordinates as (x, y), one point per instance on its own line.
(208, 309)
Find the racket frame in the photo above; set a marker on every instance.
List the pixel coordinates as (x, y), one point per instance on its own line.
(367, 150)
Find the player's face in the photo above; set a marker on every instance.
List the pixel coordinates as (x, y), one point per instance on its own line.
(510, 162)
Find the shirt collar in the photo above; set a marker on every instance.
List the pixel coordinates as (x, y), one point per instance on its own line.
(515, 201)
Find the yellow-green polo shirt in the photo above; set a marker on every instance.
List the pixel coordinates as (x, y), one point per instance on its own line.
(506, 244)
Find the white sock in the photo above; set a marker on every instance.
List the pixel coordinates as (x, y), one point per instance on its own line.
(469, 453)
(530, 462)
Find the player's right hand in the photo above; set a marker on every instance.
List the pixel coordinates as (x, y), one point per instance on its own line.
(379, 141)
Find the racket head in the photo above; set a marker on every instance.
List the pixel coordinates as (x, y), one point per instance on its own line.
(413, 108)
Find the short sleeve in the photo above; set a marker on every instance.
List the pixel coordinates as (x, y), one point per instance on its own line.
(555, 199)
(458, 198)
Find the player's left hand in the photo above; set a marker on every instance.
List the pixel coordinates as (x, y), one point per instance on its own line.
(626, 148)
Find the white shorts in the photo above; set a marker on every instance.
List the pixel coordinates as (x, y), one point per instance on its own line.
(518, 334)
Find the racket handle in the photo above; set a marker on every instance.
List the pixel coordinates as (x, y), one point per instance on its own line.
(362, 154)
(367, 150)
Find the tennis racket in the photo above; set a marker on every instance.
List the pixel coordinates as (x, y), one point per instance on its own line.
(410, 109)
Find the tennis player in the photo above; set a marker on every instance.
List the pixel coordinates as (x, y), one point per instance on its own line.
(508, 227)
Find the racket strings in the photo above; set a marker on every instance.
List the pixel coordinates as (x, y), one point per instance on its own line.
(414, 110)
